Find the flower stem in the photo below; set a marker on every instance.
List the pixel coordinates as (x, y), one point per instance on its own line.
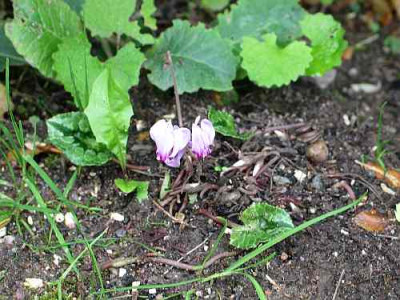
(177, 100)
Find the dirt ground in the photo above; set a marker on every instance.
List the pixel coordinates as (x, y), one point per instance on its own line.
(309, 264)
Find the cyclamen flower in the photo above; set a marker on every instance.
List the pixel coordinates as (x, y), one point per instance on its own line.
(171, 142)
(202, 137)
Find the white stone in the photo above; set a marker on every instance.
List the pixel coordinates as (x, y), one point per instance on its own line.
(152, 291)
(30, 220)
(69, 220)
(387, 189)
(117, 217)
(3, 232)
(121, 272)
(300, 175)
(57, 259)
(59, 218)
(33, 283)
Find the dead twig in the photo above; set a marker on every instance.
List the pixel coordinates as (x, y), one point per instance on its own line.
(338, 285)
(209, 215)
(343, 184)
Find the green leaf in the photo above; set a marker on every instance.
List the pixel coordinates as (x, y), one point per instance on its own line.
(262, 222)
(70, 132)
(147, 10)
(201, 59)
(128, 186)
(76, 68)
(125, 66)
(76, 5)
(269, 65)
(7, 50)
(38, 29)
(327, 42)
(107, 17)
(109, 113)
(254, 18)
(224, 124)
(214, 5)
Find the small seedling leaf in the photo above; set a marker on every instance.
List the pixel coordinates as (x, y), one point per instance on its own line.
(36, 36)
(224, 124)
(129, 186)
(109, 113)
(70, 132)
(201, 59)
(107, 17)
(269, 65)
(393, 43)
(262, 222)
(327, 42)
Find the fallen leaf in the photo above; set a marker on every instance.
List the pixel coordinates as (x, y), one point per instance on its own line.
(348, 53)
(371, 221)
(391, 176)
(3, 101)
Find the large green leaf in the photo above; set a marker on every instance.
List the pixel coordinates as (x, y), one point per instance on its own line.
(109, 112)
(39, 27)
(201, 59)
(105, 17)
(262, 222)
(327, 42)
(7, 50)
(267, 64)
(125, 66)
(71, 133)
(256, 17)
(224, 124)
(76, 68)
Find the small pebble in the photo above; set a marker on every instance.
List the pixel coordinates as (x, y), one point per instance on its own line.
(59, 218)
(9, 240)
(318, 152)
(69, 220)
(317, 183)
(284, 256)
(3, 232)
(30, 220)
(281, 180)
(300, 175)
(335, 254)
(152, 291)
(56, 259)
(121, 272)
(117, 217)
(33, 283)
(344, 232)
(120, 232)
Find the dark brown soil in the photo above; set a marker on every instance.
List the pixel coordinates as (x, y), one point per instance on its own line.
(309, 264)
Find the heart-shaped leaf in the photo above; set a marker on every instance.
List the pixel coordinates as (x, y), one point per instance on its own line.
(128, 186)
(262, 222)
(70, 132)
(38, 29)
(106, 17)
(7, 50)
(269, 65)
(327, 42)
(201, 59)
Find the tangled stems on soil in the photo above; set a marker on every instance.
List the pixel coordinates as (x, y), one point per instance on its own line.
(237, 267)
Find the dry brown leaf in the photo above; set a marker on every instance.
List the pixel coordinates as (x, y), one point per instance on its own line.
(371, 221)
(3, 101)
(143, 136)
(391, 176)
(40, 148)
